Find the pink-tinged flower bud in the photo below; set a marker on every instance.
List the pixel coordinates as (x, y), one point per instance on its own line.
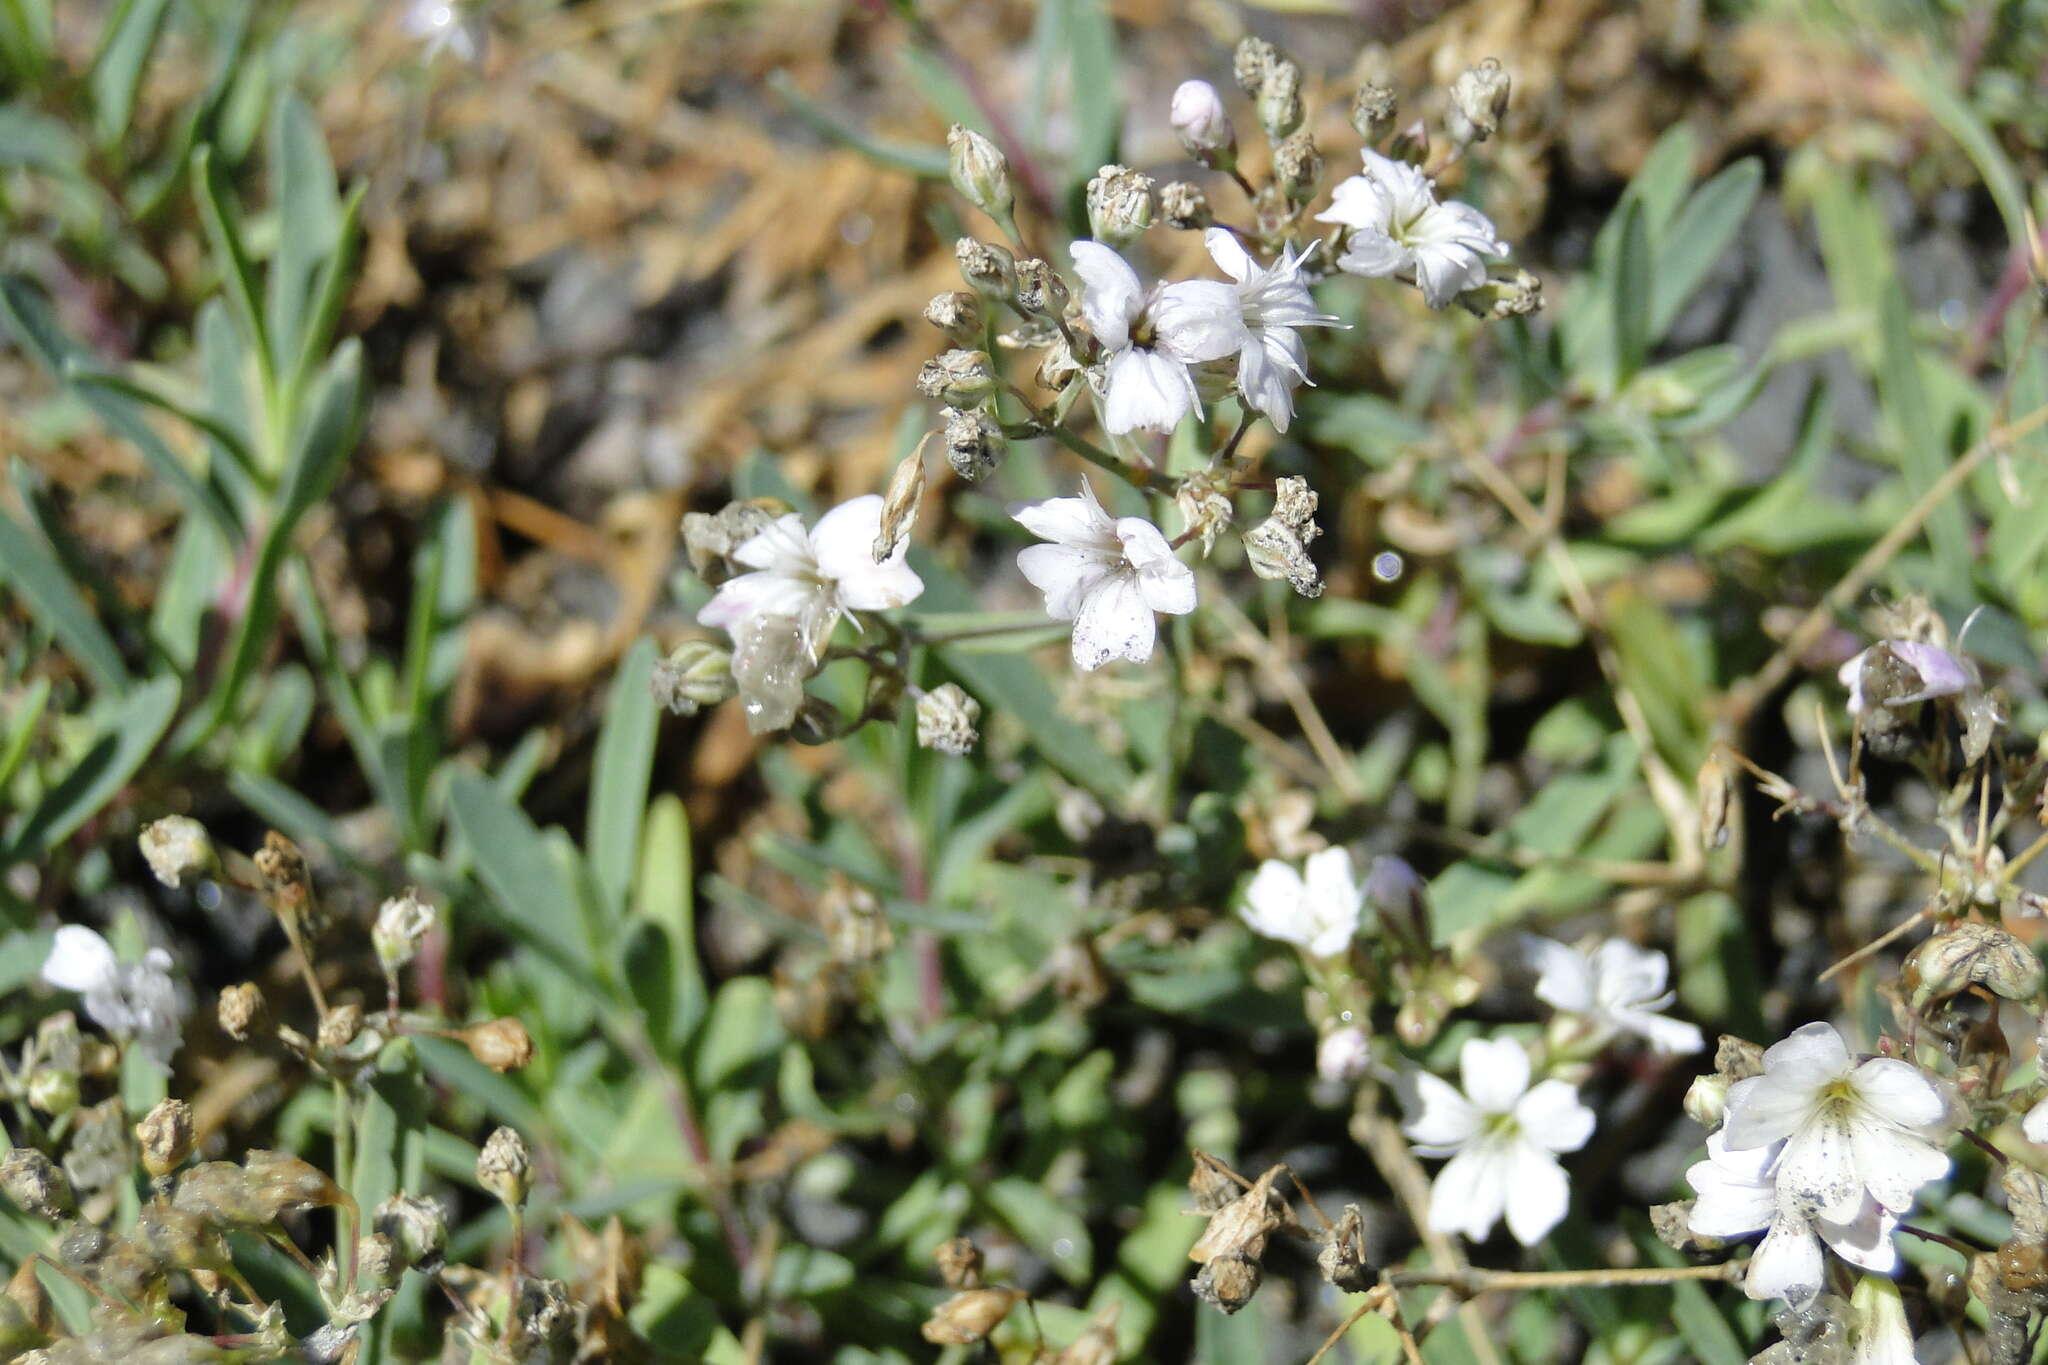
(1203, 124)
(1343, 1055)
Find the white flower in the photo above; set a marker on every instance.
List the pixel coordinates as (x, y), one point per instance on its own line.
(1275, 302)
(1876, 1126)
(1940, 673)
(1502, 1136)
(1739, 1196)
(781, 616)
(1316, 909)
(403, 923)
(1152, 338)
(1619, 986)
(1106, 575)
(1398, 228)
(1199, 117)
(134, 1001)
(2035, 1125)
(1344, 1055)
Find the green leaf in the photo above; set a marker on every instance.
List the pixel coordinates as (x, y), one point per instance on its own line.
(129, 734)
(1706, 1332)
(534, 902)
(308, 221)
(619, 776)
(1660, 185)
(231, 258)
(664, 894)
(22, 715)
(1046, 1224)
(1631, 296)
(1701, 232)
(1978, 142)
(1923, 453)
(125, 47)
(1077, 45)
(928, 163)
(35, 573)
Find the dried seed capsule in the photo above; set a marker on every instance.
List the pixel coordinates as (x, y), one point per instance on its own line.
(697, 674)
(1098, 1344)
(1184, 206)
(969, 1316)
(1342, 1260)
(958, 378)
(403, 923)
(1297, 166)
(502, 1044)
(34, 1183)
(1040, 290)
(1229, 1281)
(975, 444)
(1971, 953)
(177, 847)
(1250, 61)
(505, 1167)
(240, 1010)
(1479, 97)
(1119, 205)
(945, 720)
(339, 1026)
(165, 1136)
(959, 1262)
(957, 313)
(417, 1228)
(986, 266)
(1373, 110)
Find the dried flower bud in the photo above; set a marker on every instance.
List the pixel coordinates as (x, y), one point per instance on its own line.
(1373, 110)
(1097, 1345)
(377, 1261)
(1199, 118)
(165, 1136)
(280, 1183)
(986, 266)
(945, 720)
(1516, 294)
(709, 539)
(975, 444)
(543, 1322)
(1716, 791)
(959, 1262)
(1040, 290)
(1343, 1055)
(240, 1010)
(1737, 1059)
(1184, 206)
(416, 1227)
(1213, 1184)
(1298, 166)
(979, 171)
(403, 923)
(505, 1168)
(957, 313)
(1479, 97)
(502, 1044)
(1242, 1226)
(1119, 205)
(35, 1185)
(900, 503)
(339, 1026)
(970, 1316)
(1229, 1280)
(180, 1238)
(1279, 100)
(177, 847)
(1250, 61)
(958, 378)
(1278, 546)
(19, 1330)
(1971, 953)
(1057, 368)
(1673, 1225)
(287, 882)
(1342, 1260)
(696, 674)
(1706, 1101)
(1205, 508)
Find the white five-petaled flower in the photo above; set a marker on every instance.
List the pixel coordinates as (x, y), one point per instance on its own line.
(1618, 986)
(1152, 337)
(1941, 673)
(1316, 909)
(1275, 303)
(781, 615)
(1105, 574)
(1502, 1136)
(1398, 228)
(1739, 1196)
(137, 1001)
(1849, 1129)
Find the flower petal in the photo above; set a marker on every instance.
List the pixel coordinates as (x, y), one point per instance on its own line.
(1146, 391)
(1865, 1240)
(1540, 1192)
(1495, 1072)
(1440, 1120)
(1070, 521)
(1469, 1192)
(1112, 295)
(1552, 1116)
(1197, 320)
(1564, 977)
(1229, 254)
(1276, 904)
(79, 960)
(1900, 1092)
(1819, 1167)
(1893, 1164)
(1787, 1264)
(1066, 575)
(1113, 623)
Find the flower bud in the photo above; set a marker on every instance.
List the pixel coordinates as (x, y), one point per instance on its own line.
(986, 266)
(1297, 166)
(240, 1010)
(1274, 549)
(1343, 1055)
(970, 1316)
(403, 923)
(1250, 61)
(1185, 207)
(958, 378)
(502, 1044)
(34, 1184)
(709, 539)
(1706, 1101)
(958, 314)
(52, 1090)
(1514, 295)
(280, 1183)
(177, 847)
(900, 503)
(1057, 367)
(945, 720)
(1201, 121)
(1716, 790)
(959, 1262)
(1343, 1260)
(1971, 953)
(1040, 290)
(1737, 1059)
(377, 1262)
(1279, 100)
(1119, 205)
(416, 1227)
(1205, 508)
(287, 882)
(1373, 109)
(165, 1136)
(339, 1026)
(696, 674)
(1229, 1281)
(979, 171)
(1479, 97)
(975, 444)
(505, 1168)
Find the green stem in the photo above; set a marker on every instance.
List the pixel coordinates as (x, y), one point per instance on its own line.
(346, 1229)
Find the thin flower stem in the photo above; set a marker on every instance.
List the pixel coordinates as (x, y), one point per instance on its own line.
(1986, 1146)
(1250, 191)
(913, 636)
(1473, 1281)
(1147, 480)
(1955, 1244)
(2022, 858)
(346, 1229)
